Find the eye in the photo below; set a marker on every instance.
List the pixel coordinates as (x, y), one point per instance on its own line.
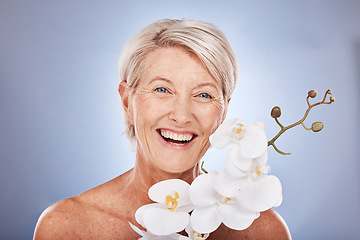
(204, 95)
(161, 90)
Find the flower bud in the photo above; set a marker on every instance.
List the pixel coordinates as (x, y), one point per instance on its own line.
(312, 93)
(276, 112)
(332, 99)
(317, 126)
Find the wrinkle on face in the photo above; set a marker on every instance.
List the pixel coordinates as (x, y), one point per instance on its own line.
(184, 77)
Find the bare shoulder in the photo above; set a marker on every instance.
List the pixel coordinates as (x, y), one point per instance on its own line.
(101, 212)
(59, 221)
(270, 225)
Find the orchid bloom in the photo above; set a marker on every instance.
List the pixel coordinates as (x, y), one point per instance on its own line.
(212, 209)
(255, 190)
(250, 139)
(170, 213)
(238, 171)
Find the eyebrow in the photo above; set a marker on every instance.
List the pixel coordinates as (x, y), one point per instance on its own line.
(160, 78)
(170, 82)
(206, 84)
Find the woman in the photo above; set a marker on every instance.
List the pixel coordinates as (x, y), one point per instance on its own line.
(177, 77)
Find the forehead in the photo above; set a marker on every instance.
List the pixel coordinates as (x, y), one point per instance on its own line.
(175, 63)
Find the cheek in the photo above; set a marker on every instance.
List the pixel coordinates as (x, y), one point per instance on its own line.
(210, 116)
(148, 109)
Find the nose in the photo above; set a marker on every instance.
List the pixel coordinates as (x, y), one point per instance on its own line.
(181, 113)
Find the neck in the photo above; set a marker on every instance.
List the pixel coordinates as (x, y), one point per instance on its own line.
(144, 175)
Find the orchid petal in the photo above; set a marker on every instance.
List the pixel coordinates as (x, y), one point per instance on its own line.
(260, 124)
(205, 219)
(164, 222)
(254, 141)
(261, 194)
(237, 217)
(185, 208)
(182, 237)
(262, 159)
(279, 202)
(227, 185)
(223, 137)
(233, 170)
(202, 192)
(137, 230)
(160, 190)
(140, 212)
(174, 236)
(242, 163)
(148, 235)
(193, 235)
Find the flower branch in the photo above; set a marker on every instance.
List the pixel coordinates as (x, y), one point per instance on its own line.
(202, 167)
(316, 126)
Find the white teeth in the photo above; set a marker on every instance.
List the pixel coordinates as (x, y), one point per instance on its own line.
(175, 136)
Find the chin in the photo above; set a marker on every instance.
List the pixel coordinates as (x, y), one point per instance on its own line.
(177, 165)
(173, 151)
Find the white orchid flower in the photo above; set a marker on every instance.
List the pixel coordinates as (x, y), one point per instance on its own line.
(149, 236)
(238, 170)
(193, 235)
(261, 194)
(170, 213)
(255, 189)
(212, 209)
(250, 139)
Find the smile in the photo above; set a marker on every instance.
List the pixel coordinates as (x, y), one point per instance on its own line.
(176, 138)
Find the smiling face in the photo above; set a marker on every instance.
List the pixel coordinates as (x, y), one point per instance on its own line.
(176, 106)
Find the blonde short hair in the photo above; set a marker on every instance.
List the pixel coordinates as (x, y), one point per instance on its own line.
(203, 39)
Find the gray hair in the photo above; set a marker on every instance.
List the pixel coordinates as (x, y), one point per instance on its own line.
(203, 39)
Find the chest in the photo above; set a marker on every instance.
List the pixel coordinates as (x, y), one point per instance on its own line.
(105, 224)
(102, 224)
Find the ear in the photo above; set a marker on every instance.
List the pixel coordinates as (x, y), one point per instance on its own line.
(227, 101)
(124, 92)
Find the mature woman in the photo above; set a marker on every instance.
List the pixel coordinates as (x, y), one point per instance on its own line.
(177, 77)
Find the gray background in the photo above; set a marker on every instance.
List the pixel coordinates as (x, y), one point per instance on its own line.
(61, 128)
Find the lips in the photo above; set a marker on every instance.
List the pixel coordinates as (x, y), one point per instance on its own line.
(177, 138)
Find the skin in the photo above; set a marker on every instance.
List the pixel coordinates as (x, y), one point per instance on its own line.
(176, 93)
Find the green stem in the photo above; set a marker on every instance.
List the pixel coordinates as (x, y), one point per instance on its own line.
(202, 167)
(276, 149)
(277, 121)
(301, 121)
